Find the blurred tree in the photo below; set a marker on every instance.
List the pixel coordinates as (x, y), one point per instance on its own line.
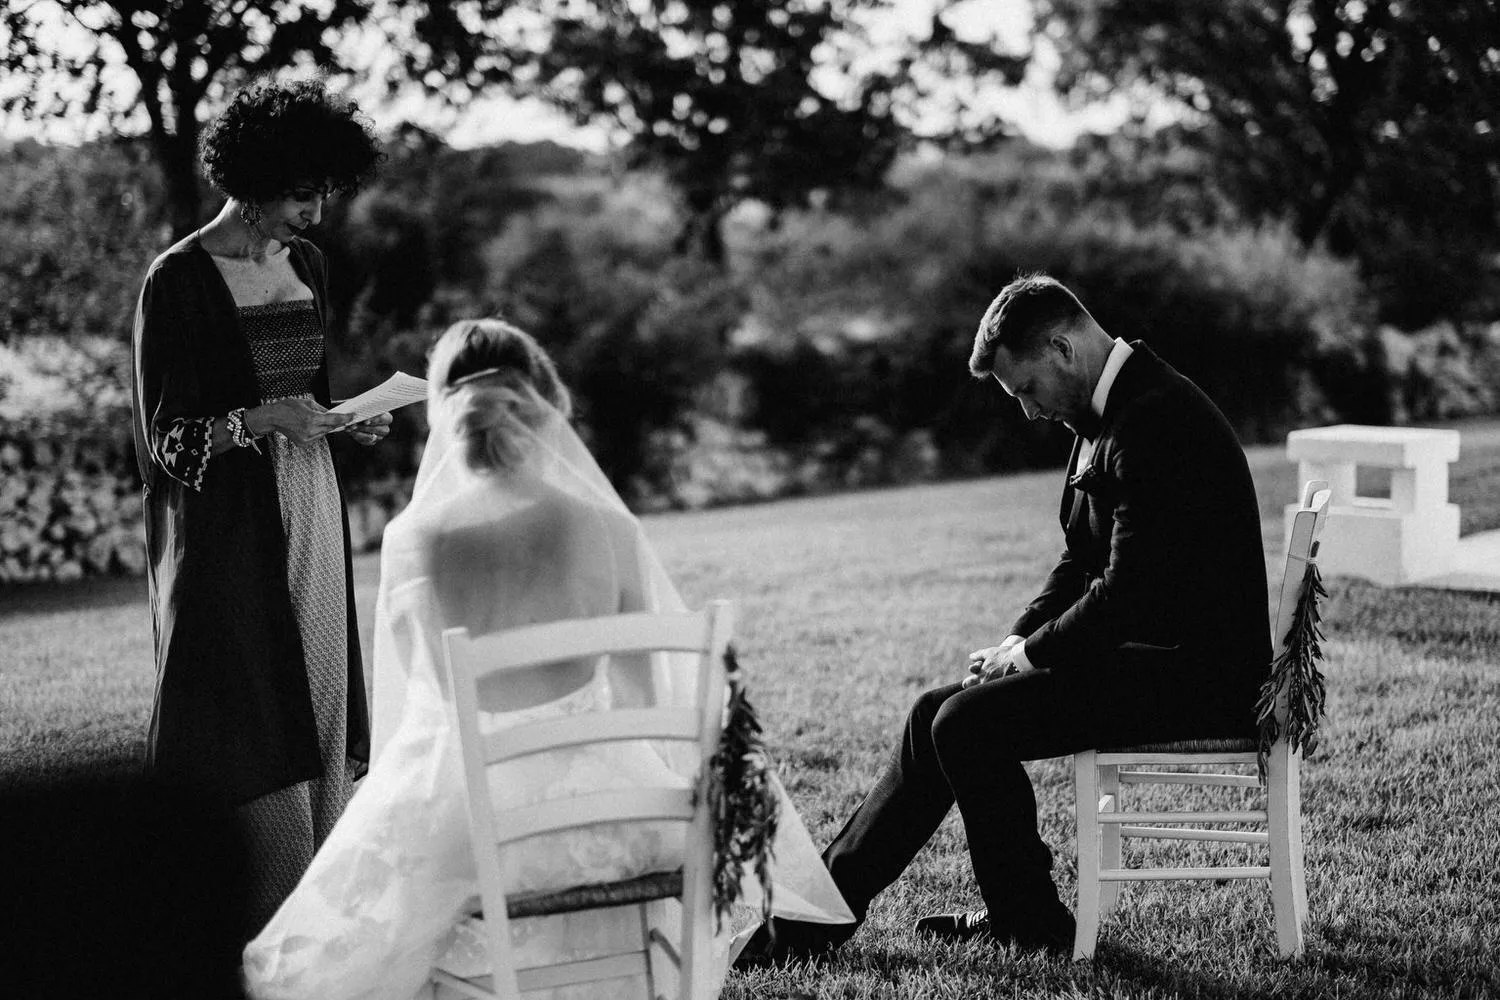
(391, 256)
(723, 95)
(424, 223)
(1373, 125)
(163, 58)
(544, 293)
(1155, 177)
(733, 100)
(468, 195)
(171, 60)
(653, 339)
(71, 217)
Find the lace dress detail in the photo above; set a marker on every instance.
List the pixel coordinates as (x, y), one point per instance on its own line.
(286, 827)
(382, 902)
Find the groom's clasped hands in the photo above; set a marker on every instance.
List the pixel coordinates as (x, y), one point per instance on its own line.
(994, 662)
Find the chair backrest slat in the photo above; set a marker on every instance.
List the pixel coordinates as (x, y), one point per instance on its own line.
(592, 727)
(675, 796)
(1307, 525)
(595, 809)
(678, 798)
(555, 642)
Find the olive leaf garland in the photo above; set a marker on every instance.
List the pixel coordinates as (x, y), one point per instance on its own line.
(742, 800)
(1296, 673)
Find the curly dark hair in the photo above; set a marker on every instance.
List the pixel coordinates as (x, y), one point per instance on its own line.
(274, 137)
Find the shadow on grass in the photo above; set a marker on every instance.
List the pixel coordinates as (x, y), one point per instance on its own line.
(1384, 959)
(1379, 964)
(91, 594)
(58, 756)
(807, 980)
(125, 887)
(1118, 968)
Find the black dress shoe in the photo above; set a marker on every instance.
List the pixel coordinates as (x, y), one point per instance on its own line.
(794, 941)
(955, 926)
(1052, 932)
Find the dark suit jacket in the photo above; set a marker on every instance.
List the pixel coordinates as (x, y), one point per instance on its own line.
(1163, 541)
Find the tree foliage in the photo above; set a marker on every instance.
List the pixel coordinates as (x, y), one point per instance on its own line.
(729, 97)
(80, 227)
(1373, 125)
(764, 99)
(162, 59)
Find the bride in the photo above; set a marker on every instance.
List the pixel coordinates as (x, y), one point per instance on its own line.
(511, 523)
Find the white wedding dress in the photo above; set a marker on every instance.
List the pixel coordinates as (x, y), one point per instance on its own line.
(386, 896)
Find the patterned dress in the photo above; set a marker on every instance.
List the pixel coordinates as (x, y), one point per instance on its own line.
(286, 827)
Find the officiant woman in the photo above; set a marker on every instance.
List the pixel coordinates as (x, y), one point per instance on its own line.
(260, 697)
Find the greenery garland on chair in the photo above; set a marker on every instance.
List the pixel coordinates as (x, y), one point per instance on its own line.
(1296, 672)
(742, 800)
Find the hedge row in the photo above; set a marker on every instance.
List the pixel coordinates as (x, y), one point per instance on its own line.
(706, 463)
(70, 498)
(69, 510)
(70, 504)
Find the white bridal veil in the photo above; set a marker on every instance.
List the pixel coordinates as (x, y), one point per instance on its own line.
(546, 539)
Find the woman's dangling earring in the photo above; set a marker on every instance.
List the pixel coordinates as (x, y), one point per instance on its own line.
(250, 215)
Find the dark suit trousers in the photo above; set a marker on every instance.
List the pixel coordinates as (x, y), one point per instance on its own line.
(968, 746)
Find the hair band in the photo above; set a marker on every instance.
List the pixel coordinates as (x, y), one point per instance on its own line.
(482, 373)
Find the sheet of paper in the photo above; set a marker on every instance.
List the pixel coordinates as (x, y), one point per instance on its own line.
(395, 392)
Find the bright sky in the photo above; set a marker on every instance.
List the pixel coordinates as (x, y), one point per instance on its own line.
(1032, 107)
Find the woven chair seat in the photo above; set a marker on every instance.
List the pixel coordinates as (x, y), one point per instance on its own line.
(658, 885)
(1235, 744)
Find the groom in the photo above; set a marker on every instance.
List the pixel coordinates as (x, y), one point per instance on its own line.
(1152, 626)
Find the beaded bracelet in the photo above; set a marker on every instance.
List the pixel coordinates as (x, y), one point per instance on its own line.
(239, 434)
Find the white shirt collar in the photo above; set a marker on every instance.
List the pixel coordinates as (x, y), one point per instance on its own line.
(1112, 365)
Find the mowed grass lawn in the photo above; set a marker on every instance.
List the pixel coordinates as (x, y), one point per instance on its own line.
(850, 606)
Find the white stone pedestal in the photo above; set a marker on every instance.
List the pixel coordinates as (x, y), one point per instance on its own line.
(1410, 537)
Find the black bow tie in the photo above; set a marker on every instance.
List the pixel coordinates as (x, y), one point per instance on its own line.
(1086, 426)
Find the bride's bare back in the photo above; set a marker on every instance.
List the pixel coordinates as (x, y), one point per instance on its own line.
(551, 557)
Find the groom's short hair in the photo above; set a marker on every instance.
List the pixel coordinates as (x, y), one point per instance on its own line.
(1021, 317)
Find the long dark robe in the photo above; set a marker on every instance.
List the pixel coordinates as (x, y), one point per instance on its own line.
(232, 712)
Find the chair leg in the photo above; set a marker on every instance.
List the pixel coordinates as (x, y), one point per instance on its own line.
(1109, 838)
(1284, 819)
(1086, 795)
(662, 923)
(642, 912)
(695, 973)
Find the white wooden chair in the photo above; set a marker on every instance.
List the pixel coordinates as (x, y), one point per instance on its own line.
(685, 950)
(1103, 824)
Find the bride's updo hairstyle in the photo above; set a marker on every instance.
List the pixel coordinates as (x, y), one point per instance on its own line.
(499, 388)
